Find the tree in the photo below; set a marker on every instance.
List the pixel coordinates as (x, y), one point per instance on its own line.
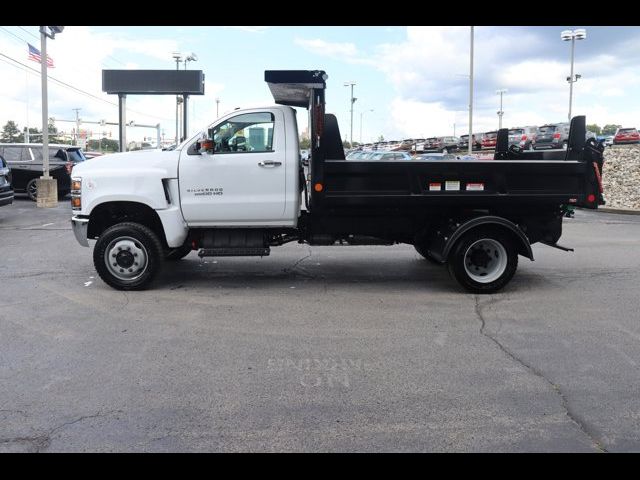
(305, 143)
(594, 128)
(53, 132)
(10, 132)
(381, 138)
(610, 129)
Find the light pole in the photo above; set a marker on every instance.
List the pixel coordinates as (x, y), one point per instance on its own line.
(185, 98)
(471, 94)
(362, 113)
(500, 112)
(46, 186)
(178, 58)
(353, 100)
(75, 139)
(217, 107)
(573, 35)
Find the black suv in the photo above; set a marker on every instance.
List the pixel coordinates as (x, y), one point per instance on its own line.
(6, 193)
(552, 135)
(25, 160)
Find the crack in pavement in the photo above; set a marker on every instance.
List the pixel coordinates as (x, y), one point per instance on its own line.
(43, 441)
(556, 389)
(298, 262)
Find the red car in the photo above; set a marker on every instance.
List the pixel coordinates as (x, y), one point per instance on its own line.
(489, 140)
(626, 135)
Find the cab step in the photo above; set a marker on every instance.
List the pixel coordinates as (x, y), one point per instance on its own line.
(234, 252)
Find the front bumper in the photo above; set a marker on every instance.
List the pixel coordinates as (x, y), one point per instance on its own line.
(6, 196)
(80, 226)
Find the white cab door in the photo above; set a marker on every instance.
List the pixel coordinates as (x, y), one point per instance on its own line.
(241, 181)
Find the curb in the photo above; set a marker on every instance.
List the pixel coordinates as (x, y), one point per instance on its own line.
(622, 211)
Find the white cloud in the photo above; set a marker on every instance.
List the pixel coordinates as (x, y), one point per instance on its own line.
(252, 29)
(329, 49)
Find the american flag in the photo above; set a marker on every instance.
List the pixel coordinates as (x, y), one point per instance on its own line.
(34, 54)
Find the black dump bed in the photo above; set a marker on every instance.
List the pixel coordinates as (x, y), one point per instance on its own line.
(513, 178)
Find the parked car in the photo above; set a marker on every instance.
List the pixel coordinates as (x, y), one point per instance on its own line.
(388, 156)
(626, 135)
(428, 142)
(552, 135)
(608, 141)
(489, 140)
(436, 156)
(419, 145)
(407, 145)
(444, 144)
(476, 138)
(6, 191)
(522, 137)
(25, 160)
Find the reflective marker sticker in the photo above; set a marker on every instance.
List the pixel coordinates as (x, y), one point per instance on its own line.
(435, 186)
(452, 185)
(475, 186)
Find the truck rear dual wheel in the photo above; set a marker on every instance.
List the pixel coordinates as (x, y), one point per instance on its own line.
(128, 256)
(483, 260)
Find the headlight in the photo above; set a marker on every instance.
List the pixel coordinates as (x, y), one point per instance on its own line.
(76, 194)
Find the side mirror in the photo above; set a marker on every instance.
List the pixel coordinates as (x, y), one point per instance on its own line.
(194, 149)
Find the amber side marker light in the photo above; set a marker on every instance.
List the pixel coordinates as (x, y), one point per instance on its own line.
(76, 202)
(318, 187)
(76, 185)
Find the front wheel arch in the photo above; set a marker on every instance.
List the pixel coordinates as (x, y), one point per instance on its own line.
(108, 214)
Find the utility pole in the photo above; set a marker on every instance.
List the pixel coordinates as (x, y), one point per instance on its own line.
(75, 137)
(471, 95)
(47, 187)
(177, 57)
(217, 107)
(500, 112)
(353, 100)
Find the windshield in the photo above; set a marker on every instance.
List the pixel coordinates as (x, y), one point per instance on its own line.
(547, 129)
(516, 131)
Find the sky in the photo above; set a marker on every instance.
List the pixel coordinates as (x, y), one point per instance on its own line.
(410, 82)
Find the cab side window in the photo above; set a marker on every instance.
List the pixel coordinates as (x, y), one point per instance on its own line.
(246, 133)
(16, 154)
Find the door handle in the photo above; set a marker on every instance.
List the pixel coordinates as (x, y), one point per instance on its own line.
(269, 163)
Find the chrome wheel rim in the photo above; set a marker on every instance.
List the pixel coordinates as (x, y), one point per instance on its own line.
(32, 189)
(126, 258)
(485, 260)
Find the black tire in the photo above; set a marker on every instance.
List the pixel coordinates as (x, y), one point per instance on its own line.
(478, 239)
(141, 239)
(179, 253)
(422, 250)
(32, 189)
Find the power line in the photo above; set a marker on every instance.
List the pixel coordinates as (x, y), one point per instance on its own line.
(28, 32)
(71, 86)
(77, 89)
(14, 35)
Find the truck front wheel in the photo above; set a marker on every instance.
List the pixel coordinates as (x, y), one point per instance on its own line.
(128, 256)
(483, 260)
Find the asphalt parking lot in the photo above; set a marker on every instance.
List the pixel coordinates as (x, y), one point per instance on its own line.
(319, 349)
